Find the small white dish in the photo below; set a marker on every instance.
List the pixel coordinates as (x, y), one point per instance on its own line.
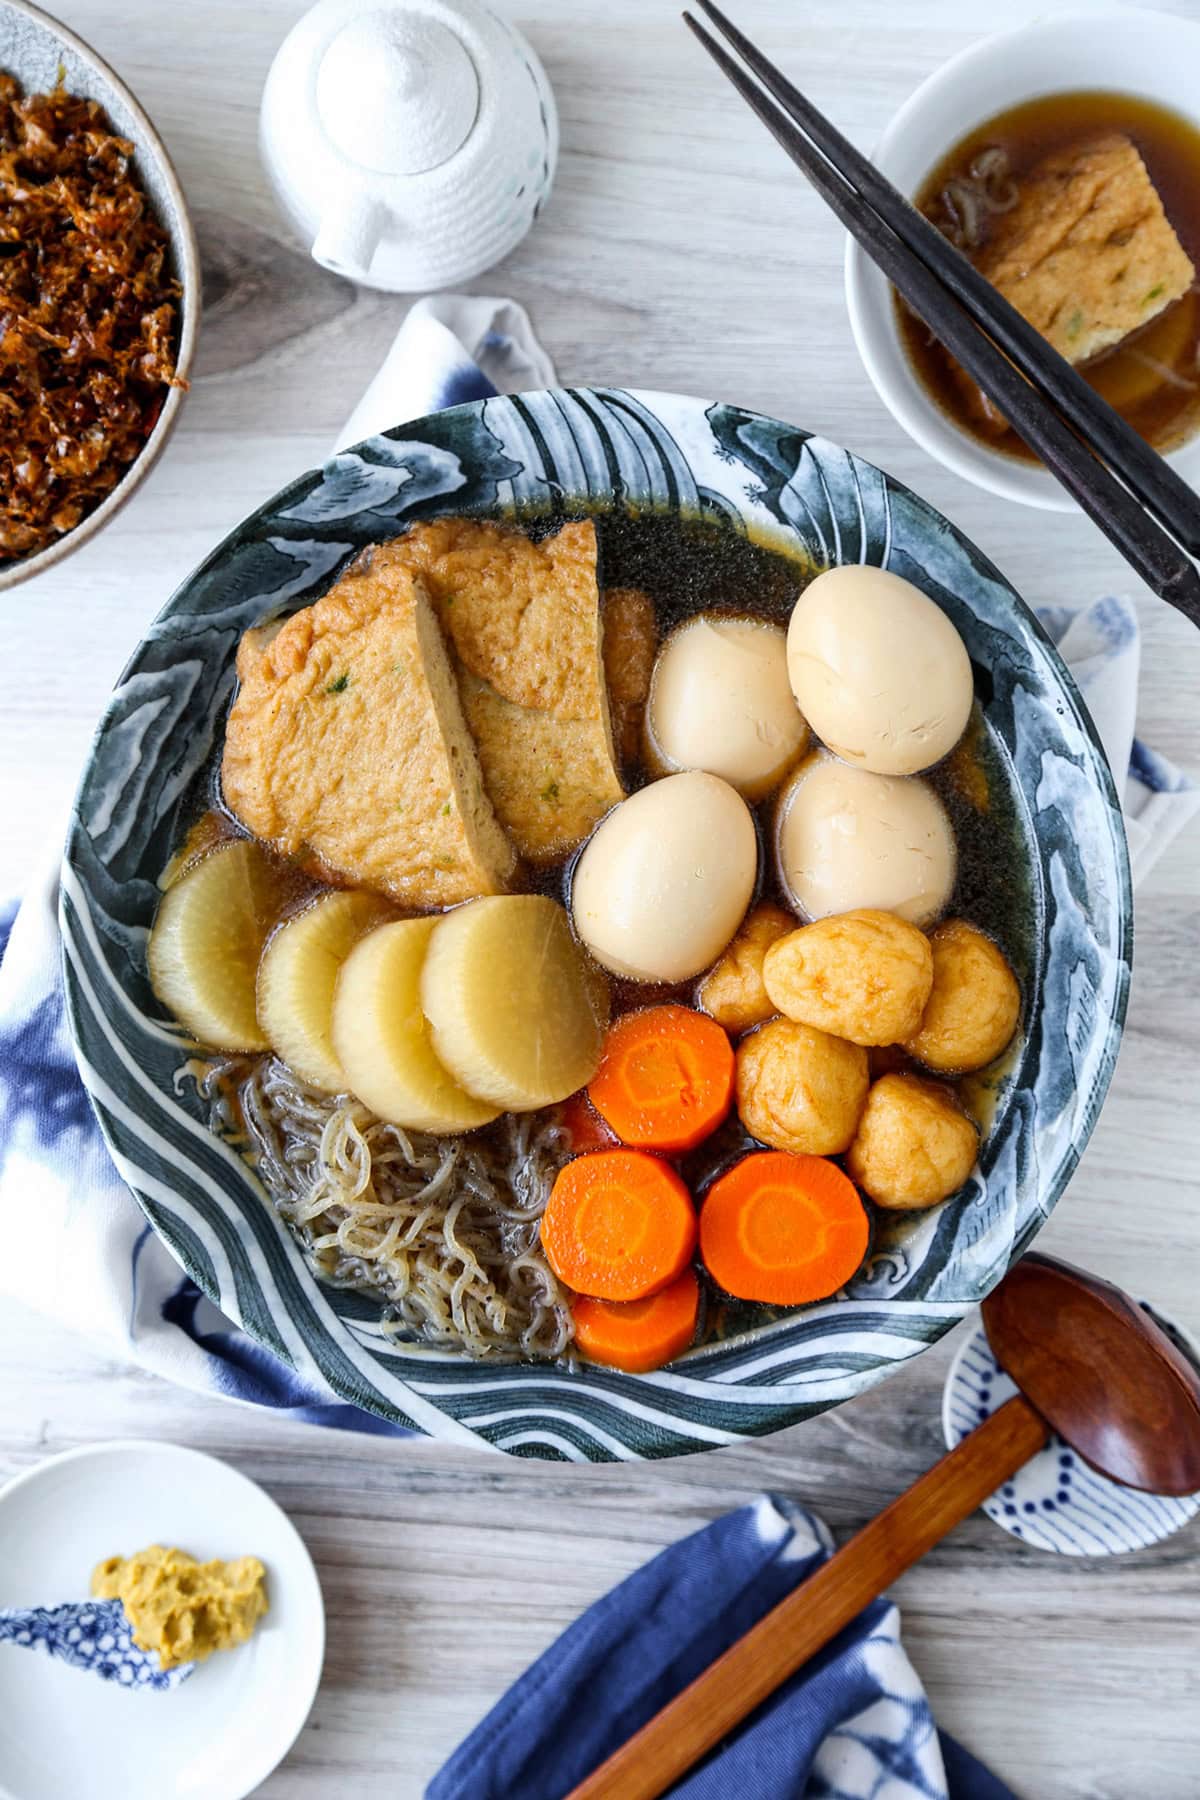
(218, 1736)
(1153, 55)
(1056, 1502)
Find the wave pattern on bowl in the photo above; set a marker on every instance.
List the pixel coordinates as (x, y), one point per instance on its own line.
(600, 449)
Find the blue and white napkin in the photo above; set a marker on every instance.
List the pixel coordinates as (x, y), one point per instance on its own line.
(853, 1724)
(102, 1272)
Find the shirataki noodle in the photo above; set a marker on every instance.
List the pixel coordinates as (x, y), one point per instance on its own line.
(443, 1230)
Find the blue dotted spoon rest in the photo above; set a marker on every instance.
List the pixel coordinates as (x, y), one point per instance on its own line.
(1056, 1502)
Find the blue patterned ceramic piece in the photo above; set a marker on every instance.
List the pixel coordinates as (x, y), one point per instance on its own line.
(1061, 876)
(1056, 1502)
(93, 1635)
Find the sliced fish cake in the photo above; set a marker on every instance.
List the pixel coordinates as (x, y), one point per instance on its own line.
(524, 621)
(347, 745)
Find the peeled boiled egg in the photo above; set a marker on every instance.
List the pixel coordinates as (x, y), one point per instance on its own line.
(666, 877)
(846, 838)
(878, 670)
(720, 700)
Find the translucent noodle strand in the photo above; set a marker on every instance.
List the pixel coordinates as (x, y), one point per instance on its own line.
(443, 1231)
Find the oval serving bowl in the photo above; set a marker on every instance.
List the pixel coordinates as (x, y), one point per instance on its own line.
(1061, 884)
(39, 52)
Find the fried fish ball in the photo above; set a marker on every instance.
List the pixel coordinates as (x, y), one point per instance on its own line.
(862, 975)
(799, 1089)
(973, 1005)
(914, 1145)
(732, 992)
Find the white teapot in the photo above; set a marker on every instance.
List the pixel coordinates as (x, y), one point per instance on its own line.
(410, 142)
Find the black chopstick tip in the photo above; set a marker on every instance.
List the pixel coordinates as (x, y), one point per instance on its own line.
(698, 32)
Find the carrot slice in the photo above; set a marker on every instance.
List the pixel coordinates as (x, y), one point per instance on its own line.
(637, 1335)
(618, 1225)
(783, 1228)
(665, 1079)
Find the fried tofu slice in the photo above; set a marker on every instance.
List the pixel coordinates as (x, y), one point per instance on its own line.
(347, 745)
(524, 622)
(1087, 254)
(630, 646)
(549, 779)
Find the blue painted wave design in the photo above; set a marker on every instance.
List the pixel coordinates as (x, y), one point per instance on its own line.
(576, 449)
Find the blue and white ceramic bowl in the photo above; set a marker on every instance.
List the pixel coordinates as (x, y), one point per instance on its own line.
(1061, 885)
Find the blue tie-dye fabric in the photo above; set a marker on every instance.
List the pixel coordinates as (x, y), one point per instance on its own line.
(854, 1724)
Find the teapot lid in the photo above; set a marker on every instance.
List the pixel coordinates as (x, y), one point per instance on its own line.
(397, 91)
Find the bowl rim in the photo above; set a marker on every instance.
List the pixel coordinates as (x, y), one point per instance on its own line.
(445, 1394)
(186, 249)
(876, 338)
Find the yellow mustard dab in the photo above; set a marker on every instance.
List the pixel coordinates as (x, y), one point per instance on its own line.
(182, 1608)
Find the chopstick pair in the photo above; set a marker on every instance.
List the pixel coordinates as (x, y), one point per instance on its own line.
(1123, 485)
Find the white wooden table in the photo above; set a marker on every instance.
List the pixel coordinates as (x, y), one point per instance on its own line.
(679, 251)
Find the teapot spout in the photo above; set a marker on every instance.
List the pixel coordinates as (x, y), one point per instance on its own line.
(347, 237)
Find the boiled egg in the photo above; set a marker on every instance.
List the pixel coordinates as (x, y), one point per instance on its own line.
(665, 879)
(878, 670)
(846, 838)
(720, 700)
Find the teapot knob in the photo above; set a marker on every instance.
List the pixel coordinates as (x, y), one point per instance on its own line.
(397, 92)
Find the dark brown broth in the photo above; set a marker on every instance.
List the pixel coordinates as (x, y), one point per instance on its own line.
(1169, 144)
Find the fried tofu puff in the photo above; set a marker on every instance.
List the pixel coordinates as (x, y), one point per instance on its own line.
(973, 1006)
(732, 992)
(862, 975)
(799, 1089)
(914, 1145)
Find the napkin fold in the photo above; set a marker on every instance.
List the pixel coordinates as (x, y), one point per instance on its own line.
(853, 1724)
(102, 1271)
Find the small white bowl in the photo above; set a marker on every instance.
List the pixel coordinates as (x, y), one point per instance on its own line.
(1152, 55)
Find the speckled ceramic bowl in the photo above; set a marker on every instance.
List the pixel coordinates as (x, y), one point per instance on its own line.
(1057, 891)
(39, 51)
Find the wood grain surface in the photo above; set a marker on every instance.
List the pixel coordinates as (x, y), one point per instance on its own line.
(680, 250)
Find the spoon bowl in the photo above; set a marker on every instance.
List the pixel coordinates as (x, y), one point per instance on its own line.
(1101, 1372)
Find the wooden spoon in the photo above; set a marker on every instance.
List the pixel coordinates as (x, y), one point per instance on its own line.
(1089, 1363)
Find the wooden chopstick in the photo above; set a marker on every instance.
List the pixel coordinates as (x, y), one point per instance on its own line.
(1144, 545)
(655, 1757)
(1141, 468)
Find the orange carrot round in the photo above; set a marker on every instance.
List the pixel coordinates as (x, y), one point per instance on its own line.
(783, 1228)
(637, 1335)
(665, 1080)
(618, 1225)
